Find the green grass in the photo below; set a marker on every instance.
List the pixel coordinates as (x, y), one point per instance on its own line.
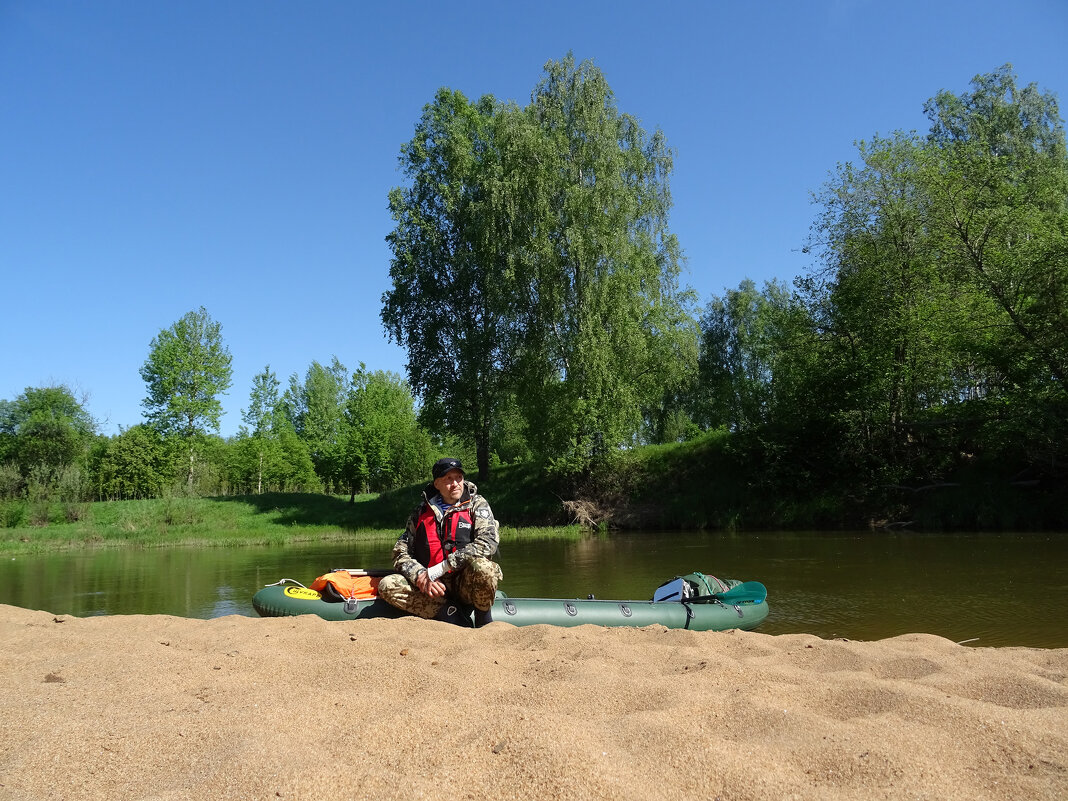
(247, 520)
(268, 519)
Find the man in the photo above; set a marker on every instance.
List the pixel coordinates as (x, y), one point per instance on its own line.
(442, 558)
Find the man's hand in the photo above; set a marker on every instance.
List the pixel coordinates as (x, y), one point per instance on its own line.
(427, 586)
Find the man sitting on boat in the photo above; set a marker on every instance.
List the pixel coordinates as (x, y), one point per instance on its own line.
(442, 558)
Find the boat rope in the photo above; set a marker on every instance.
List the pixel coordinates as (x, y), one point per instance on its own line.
(283, 581)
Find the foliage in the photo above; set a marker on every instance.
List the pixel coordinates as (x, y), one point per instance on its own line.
(939, 310)
(385, 446)
(452, 306)
(44, 433)
(533, 270)
(137, 463)
(916, 373)
(315, 410)
(511, 443)
(187, 368)
(267, 455)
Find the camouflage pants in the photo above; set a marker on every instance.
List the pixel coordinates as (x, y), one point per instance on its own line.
(475, 584)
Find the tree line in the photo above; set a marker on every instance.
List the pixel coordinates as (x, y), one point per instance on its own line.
(334, 431)
(928, 346)
(536, 290)
(535, 285)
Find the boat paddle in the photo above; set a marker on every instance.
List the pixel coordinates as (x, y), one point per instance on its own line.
(746, 592)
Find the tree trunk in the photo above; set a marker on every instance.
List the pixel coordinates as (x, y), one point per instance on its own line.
(189, 480)
(482, 450)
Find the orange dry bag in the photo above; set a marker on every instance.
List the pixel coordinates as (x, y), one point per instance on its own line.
(342, 586)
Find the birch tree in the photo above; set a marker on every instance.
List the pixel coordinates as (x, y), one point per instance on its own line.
(187, 369)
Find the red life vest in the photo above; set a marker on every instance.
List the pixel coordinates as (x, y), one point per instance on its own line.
(433, 542)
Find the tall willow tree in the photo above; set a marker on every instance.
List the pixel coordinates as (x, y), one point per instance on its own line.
(606, 328)
(451, 301)
(533, 269)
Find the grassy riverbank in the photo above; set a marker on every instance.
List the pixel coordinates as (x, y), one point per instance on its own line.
(701, 484)
(272, 518)
(525, 501)
(249, 520)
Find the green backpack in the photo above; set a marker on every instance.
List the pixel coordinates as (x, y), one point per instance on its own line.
(707, 585)
(692, 585)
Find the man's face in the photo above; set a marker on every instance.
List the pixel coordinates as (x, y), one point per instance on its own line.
(450, 485)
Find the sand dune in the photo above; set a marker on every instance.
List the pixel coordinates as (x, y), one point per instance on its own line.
(171, 708)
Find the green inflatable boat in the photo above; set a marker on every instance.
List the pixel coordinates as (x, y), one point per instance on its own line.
(695, 601)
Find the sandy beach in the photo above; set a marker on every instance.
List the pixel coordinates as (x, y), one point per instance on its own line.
(163, 707)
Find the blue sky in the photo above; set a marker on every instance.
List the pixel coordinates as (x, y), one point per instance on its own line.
(160, 156)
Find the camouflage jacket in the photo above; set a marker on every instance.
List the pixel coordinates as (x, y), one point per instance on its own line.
(485, 538)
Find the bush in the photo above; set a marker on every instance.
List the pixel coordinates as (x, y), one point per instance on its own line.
(39, 513)
(181, 509)
(12, 484)
(73, 512)
(12, 513)
(71, 486)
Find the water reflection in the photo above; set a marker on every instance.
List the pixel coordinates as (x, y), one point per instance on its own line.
(990, 589)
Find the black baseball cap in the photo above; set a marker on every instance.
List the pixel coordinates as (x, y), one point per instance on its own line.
(443, 466)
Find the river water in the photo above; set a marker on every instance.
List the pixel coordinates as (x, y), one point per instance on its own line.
(983, 589)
